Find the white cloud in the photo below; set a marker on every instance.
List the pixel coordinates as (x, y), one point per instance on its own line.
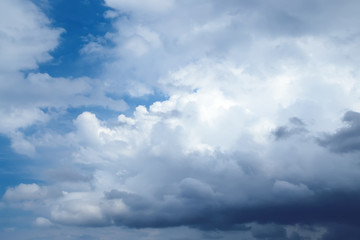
(90, 130)
(79, 208)
(25, 192)
(14, 118)
(26, 37)
(23, 102)
(21, 145)
(42, 222)
(152, 6)
(284, 188)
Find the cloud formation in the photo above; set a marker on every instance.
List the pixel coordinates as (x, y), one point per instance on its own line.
(345, 139)
(239, 130)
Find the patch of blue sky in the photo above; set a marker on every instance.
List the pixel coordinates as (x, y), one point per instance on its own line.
(14, 168)
(62, 120)
(83, 20)
(146, 100)
(11, 218)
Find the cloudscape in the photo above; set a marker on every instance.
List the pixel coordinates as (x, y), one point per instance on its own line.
(179, 119)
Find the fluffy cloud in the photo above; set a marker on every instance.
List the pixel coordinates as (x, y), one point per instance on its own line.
(201, 154)
(26, 37)
(25, 192)
(78, 209)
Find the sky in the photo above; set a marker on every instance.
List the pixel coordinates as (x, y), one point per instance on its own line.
(179, 119)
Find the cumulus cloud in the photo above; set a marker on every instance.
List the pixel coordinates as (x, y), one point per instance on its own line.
(78, 209)
(167, 165)
(200, 159)
(25, 192)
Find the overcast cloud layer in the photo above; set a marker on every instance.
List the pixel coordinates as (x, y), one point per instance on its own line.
(205, 120)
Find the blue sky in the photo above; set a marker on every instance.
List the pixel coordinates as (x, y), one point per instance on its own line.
(82, 20)
(169, 119)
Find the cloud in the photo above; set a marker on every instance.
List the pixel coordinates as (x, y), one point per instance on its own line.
(297, 127)
(42, 222)
(25, 192)
(40, 98)
(346, 139)
(152, 6)
(269, 232)
(26, 36)
(200, 159)
(69, 174)
(21, 145)
(336, 231)
(283, 188)
(78, 209)
(194, 189)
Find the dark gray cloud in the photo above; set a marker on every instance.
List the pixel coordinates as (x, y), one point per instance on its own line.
(342, 231)
(326, 207)
(134, 201)
(346, 139)
(212, 235)
(69, 174)
(296, 121)
(295, 127)
(269, 232)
